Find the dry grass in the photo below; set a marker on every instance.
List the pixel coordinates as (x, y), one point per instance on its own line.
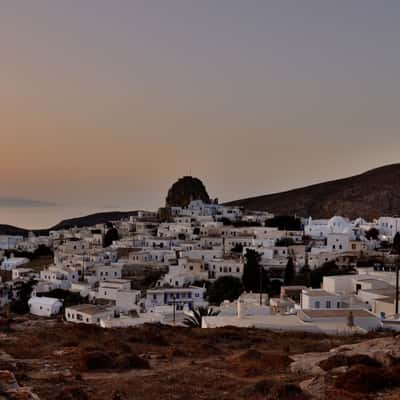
(60, 361)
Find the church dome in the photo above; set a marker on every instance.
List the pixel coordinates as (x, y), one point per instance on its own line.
(338, 224)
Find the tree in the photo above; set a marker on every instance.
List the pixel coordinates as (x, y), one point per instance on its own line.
(284, 223)
(396, 243)
(372, 233)
(289, 272)
(304, 278)
(68, 298)
(110, 236)
(225, 288)
(195, 318)
(254, 275)
(237, 249)
(284, 242)
(23, 293)
(327, 269)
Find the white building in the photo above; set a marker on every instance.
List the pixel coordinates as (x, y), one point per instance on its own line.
(88, 313)
(389, 226)
(9, 242)
(191, 296)
(14, 262)
(44, 306)
(319, 299)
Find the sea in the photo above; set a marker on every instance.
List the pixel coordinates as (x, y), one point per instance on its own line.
(44, 217)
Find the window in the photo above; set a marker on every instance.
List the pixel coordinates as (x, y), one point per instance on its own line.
(317, 304)
(328, 304)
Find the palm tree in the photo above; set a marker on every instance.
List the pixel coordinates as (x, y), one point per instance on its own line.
(194, 318)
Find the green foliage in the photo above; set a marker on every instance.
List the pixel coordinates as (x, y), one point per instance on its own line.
(284, 242)
(327, 269)
(284, 223)
(372, 233)
(196, 316)
(69, 298)
(151, 278)
(41, 251)
(396, 243)
(225, 288)
(289, 272)
(239, 224)
(23, 292)
(110, 236)
(254, 275)
(237, 249)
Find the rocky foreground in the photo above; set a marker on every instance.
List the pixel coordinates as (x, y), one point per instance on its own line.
(43, 359)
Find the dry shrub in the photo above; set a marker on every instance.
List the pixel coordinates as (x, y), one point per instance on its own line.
(341, 360)
(148, 336)
(263, 387)
(131, 361)
(96, 360)
(255, 363)
(393, 375)
(72, 393)
(362, 379)
(286, 391)
(100, 360)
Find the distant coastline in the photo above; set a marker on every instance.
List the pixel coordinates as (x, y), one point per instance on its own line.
(16, 202)
(86, 220)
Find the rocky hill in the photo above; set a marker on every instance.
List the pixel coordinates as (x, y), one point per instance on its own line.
(371, 194)
(185, 190)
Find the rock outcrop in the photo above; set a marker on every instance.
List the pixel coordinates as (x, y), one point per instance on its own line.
(185, 190)
(362, 368)
(11, 390)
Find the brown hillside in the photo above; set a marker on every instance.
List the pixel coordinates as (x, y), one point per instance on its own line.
(372, 194)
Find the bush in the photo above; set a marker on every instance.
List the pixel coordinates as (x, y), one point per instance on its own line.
(289, 391)
(225, 288)
(101, 360)
(97, 360)
(341, 360)
(72, 393)
(363, 379)
(131, 361)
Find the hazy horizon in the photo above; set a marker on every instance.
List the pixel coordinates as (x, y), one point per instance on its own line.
(108, 103)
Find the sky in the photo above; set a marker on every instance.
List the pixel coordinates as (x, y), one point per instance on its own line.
(106, 103)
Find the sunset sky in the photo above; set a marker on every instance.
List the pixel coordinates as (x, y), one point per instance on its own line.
(109, 102)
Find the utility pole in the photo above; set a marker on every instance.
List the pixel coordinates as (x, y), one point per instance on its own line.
(261, 284)
(397, 286)
(173, 312)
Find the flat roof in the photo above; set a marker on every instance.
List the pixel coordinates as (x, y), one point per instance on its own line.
(116, 280)
(44, 300)
(337, 313)
(318, 292)
(90, 309)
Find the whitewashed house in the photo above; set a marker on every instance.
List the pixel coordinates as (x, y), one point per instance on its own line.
(319, 299)
(191, 297)
(44, 306)
(9, 264)
(88, 313)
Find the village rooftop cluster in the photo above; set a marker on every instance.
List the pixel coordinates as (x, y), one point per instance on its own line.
(148, 269)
